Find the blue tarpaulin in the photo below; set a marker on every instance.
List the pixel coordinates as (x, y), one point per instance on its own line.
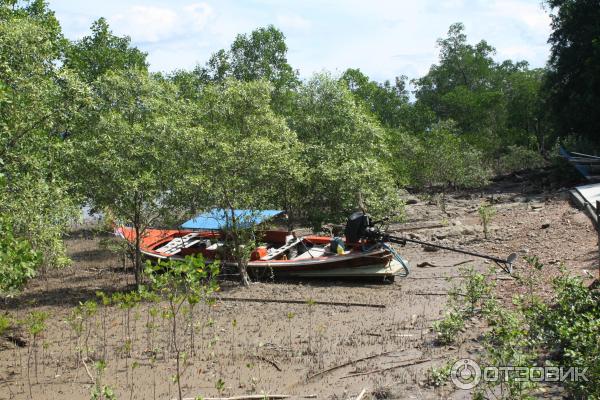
(217, 218)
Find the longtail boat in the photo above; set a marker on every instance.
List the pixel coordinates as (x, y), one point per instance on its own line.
(279, 253)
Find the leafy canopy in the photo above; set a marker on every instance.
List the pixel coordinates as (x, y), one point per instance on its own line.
(101, 52)
(37, 98)
(573, 80)
(344, 152)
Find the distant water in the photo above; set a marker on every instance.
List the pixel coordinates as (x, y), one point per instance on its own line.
(87, 217)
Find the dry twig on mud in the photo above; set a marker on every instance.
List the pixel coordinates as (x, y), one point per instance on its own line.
(405, 364)
(349, 363)
(246, 397)
(265, 359)
(88, 371)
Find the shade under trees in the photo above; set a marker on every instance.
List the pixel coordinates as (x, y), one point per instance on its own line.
(573, 78)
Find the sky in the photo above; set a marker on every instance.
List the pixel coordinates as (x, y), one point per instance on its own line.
(383, 38)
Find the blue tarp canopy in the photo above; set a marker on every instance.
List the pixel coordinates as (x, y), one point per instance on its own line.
(217, 218)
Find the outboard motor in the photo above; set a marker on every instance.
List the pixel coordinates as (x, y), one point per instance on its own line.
(356, 227)
(360, 226)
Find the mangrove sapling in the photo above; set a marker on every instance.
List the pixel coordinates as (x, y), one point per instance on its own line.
(177, 281)
(529, 277)
(79, 320)
(153, 368)
(90, 309)
(311, 304)
(36, 324)
(290, 315)
(100, 391)
(45, 348)
(5, 323)
(233, 326)
(486, 214)
(134, 366)
(439, 376)
(319, 345)
(193, 300)
(151, 326)
(106, 302)
(165, 316)
(214, 338)
(476, 288)
(75, 321)
(440, 200)
(126, 302)
(220, 386)
(448, 329)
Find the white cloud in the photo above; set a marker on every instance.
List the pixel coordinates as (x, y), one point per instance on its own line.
(293, 22)
(530, 14)
(154, 24)
(199, 14)
(146, 24)
(384, 38)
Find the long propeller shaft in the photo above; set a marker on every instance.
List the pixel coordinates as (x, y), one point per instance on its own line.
(403, 240)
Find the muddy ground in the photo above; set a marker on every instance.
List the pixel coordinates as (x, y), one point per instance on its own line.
(275, 348)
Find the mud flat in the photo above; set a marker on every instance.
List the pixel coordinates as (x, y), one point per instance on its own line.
(302, 350)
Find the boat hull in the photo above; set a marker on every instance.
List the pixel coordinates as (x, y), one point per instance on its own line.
(384, 270)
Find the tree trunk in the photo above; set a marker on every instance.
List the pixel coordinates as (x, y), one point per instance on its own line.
(137, 257)
(244, 277)
(236, 251)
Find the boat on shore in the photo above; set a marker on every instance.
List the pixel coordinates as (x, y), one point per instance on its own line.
(280, 253)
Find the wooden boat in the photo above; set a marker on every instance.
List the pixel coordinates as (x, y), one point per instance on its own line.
(282, 255)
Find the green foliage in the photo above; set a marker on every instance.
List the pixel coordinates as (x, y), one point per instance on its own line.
(178, 280)
(477, 288)
(466, 302)
(36, 100)
(344, 151)
(18, 261)
(131, 149)
(388, 102)
(247, 159)
(448, 329)
(493, 104)
(260, 55)
(573, 79)
(562, 331)
(572, 327)
(80, 315)
(462, 87)
(36, 322)
(486, 214)
(442, 158)
(439, 376)
(182, 282)
(100, 391)
(517, 159)
(246, 147)
(102, 52)
(84, 121)
(6, 323)
(220, 385)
